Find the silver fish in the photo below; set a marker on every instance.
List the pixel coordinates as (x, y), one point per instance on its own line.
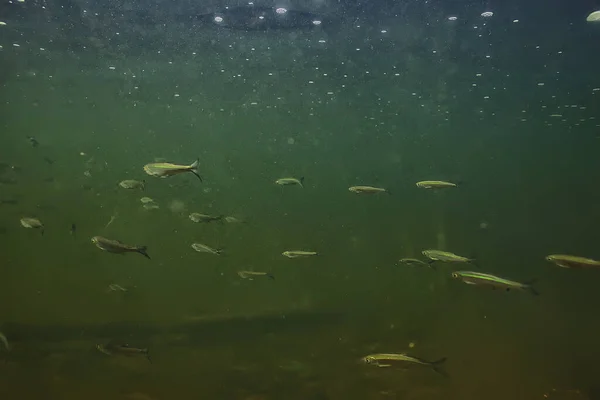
(435, 184)
(117, 247)
(197, 217)
(4, 342)
(390, 358)
(290, 181)
(132, 184)
(298, 253)
(202, 248)
(367, 190)
(496, 282)
(445, 256)
(32, 223)
(124, 350)
(164, 169)
(250, 275)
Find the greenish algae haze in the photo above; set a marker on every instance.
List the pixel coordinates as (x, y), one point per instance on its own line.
(384, 104)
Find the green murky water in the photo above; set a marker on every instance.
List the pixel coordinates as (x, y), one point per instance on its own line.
(506, 108)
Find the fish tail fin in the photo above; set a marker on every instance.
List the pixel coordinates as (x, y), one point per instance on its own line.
(147, 353)
(271, 276)
(219, 251)
(529, 286)
(43, 229)
(474, 262)
(301, 181)
(194, 169)
(143, 250)
(437, 367)
(143, 184)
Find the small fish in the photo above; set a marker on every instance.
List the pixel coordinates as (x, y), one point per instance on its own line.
(73, 230)
(146, 200)
(478, 278)
(388, 358)
(49, 160)
(250, 275)
(151, 206)
(32, 223)
(435, 184)
(414, 261)
(33, 141)
(197, 217)
(234, 220)
(4, 342)
(114, 246)
(445, 256)
(298, 253)
(133, 184)
(202, 248)
(113, 287)
(567, 261)
(290, 181)
(164, 169)
(11, 202)
(124, 350)
(367, 190)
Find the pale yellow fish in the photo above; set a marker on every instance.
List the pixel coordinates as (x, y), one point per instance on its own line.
(445, 256)
(290, 181)
(567, 261)
(2, 23)
(146, 200)
(250, 275)
(132, 184)
(164, 169)
(367, 190)
(298, 253)
(593, 17)
(32, 223)
(435, 184)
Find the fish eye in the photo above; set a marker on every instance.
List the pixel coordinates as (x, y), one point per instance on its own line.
(454, 275)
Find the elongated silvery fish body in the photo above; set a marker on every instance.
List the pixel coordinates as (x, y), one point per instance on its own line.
(367, 190)
(202, 248)
(388, 359)
(567, 261)
(478, 278)
(435, 184)
(250, 275)
(445, 256)
(298, 253)
(164, 169)
(117, 247)
(290, 181)
(197, 217)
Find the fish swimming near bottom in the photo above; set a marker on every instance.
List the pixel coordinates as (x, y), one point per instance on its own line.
(4, 342)
(493, 281)
(124, 350)
(199, 218)
(389, 359)
(114, 246)
(164, 169)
